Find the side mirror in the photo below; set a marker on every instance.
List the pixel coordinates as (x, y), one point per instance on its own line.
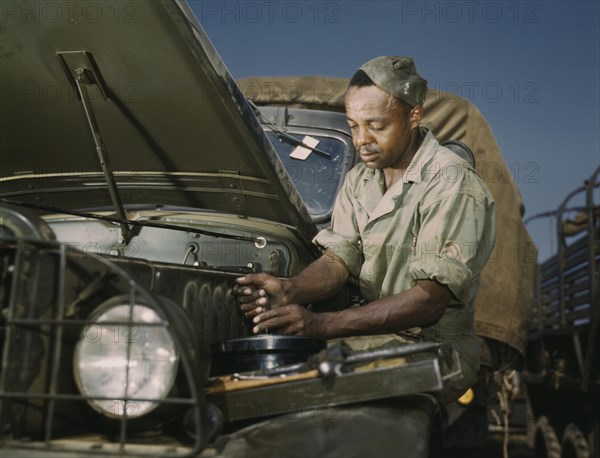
(461, 150)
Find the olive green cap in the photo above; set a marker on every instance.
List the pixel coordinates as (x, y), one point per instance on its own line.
(398, 76)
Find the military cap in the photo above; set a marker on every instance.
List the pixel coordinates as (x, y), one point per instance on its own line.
(398, 76)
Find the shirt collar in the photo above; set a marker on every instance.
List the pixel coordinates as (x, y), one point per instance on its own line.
(415, 170)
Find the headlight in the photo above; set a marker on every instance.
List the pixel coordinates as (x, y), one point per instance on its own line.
(131, 361)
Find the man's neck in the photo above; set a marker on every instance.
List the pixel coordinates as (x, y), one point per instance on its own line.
(394, 174)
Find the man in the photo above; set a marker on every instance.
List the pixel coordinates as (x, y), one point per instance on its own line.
(413, 222)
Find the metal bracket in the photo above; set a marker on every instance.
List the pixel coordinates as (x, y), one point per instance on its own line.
(281, 118)
(234, 188)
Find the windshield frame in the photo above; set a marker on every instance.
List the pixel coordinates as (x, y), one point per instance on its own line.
(348, 162)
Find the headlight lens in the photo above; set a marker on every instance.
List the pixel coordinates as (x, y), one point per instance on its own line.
(125, 361)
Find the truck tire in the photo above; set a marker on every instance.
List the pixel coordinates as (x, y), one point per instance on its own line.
(574, 444)
(545, 442)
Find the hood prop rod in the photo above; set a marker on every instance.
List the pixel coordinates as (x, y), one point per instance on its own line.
(83, 79)
(82, 71)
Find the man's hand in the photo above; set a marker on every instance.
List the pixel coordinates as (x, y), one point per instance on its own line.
(291, 320)
(259, 292)
(262, 293)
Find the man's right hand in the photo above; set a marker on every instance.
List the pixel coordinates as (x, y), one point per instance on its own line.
(258, 293)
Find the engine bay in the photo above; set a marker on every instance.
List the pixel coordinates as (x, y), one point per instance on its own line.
(214, 248)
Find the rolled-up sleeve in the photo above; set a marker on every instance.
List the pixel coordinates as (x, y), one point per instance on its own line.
(455, 239)
(342, 238)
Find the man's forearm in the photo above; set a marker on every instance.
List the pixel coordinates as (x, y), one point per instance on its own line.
(320, 280)
(421, 305)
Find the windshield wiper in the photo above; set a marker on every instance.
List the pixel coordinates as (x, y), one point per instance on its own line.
(294, 141)
(282, 135)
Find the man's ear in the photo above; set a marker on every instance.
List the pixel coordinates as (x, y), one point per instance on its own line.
(415, 116)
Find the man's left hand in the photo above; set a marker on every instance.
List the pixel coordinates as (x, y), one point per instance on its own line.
(291, 320)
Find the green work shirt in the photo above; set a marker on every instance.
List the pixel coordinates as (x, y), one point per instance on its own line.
(437, 223)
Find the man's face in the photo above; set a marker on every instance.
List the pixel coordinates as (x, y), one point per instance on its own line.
(380, 125)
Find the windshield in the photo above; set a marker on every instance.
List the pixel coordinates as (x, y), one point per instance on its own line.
(317, 177)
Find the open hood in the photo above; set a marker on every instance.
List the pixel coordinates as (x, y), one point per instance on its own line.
(158, 105)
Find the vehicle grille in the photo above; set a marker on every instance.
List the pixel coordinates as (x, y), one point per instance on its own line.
(47, 291)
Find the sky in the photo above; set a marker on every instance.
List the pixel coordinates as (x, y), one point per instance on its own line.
(531, 67)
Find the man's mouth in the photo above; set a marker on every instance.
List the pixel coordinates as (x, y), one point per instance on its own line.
(368, 153)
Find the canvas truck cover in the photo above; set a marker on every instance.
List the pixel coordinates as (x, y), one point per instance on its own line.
(503, 305)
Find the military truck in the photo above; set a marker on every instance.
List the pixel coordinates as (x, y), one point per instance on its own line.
(562, 372)
(131, 200)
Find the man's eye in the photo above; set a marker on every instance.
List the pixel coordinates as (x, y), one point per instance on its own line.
(376, 127)
(352, 127)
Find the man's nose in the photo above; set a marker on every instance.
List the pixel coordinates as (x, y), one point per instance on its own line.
(363, 137)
